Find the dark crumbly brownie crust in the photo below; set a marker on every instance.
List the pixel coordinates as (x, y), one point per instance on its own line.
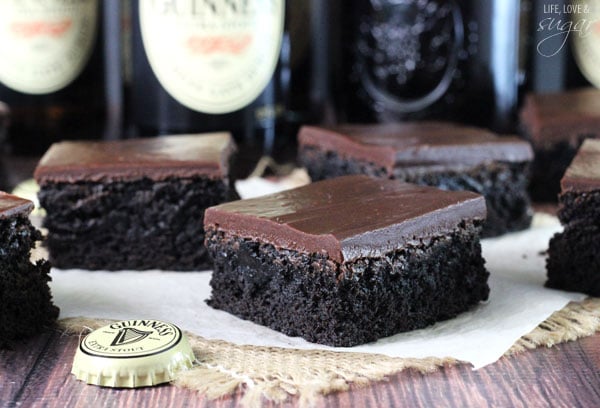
(573, 262)
(347, 304)
(138, 225)
(579, 206)
(323, 165)
(504, 185)
(25, 302)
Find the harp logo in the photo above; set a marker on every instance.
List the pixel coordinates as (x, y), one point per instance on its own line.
(129, 335)
(132, 338)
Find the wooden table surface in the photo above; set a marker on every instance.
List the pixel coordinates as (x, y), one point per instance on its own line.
(36, 373)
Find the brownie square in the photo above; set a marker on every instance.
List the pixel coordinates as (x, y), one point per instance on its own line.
(574, 254)
(25, 302)
(556, 124)
(132, 204)
(348, 260)
(440, 154)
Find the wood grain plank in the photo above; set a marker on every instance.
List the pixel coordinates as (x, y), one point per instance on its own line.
(52, 385)
(16, 365)
(566, 375)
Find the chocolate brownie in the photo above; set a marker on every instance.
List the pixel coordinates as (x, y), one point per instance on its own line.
(132, 204)
(574, 254)
(556, 124)
(25, 302)
(444, 155)
(348, 260)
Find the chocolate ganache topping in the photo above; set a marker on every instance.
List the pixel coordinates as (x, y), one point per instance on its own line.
(155, 158)
(11, 205)
(348, 217)
(584, 172)
(417, 143)
(553, 117)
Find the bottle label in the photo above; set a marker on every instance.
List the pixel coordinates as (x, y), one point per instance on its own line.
(213, 57)
(407, 52)
(45, 44)
(585, 37)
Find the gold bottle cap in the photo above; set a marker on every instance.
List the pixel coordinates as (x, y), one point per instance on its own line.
(132, 353)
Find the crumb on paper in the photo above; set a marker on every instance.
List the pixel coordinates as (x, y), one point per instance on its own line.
(541, 219)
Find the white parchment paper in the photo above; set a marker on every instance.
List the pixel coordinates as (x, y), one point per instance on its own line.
(518, 303)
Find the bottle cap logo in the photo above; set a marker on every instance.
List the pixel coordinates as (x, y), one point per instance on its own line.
(132, 353)
(131, 338)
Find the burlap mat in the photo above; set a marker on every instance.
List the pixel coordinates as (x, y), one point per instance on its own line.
(275, 374)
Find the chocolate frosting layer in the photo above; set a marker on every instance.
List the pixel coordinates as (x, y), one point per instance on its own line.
(155, 158)
(552, 117)
(347, 217)
(584, 172)
(11, 205)
(416, 143)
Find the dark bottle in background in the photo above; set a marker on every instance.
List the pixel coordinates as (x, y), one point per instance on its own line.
(4, 120)
(561, 45)
(307, 74)
(249, 67)
(429, 59)
(585, 44)
(53, 73)
(126, 56)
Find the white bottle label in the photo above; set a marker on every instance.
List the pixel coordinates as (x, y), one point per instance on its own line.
(585, 36)
(213, 56)
(46, 44)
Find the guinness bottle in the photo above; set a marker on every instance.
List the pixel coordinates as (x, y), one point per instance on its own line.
(430, 59)
(251, 67)
(52, 71)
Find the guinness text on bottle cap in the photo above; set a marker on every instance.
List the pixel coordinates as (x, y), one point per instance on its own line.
(132, 353)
